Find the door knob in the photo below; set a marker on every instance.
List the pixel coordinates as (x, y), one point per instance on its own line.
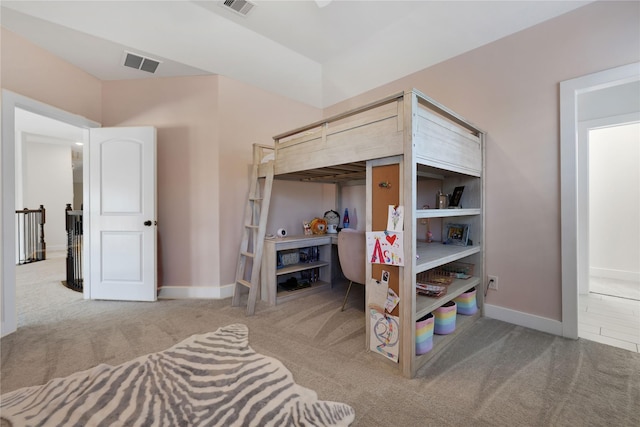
(147, 223)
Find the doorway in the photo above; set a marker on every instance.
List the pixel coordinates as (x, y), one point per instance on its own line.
(575, 95)
(49, 173)
(609, 300)
(614, 208)
(10, 102)
(48, 170)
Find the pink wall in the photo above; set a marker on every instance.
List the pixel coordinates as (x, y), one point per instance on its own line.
(37, 74)
(184, 111)
(206, 128)
(249, 115)
(510, 88)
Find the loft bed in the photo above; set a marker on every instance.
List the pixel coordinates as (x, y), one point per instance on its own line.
(336, 149)
(427, 143)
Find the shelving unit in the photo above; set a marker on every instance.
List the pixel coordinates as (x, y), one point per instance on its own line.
(271, 275)
(405, 147)
(449, 154)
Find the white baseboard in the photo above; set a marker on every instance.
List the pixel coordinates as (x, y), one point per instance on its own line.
(195, 292)
(519, 318)
(632, 276)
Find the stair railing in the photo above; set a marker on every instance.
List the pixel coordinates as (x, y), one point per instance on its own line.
(74, 249)
(30, 243)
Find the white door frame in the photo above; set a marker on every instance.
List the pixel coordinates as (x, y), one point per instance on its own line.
(571, 220)
(11, 101)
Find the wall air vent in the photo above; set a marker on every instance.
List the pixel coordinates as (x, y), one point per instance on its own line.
(140, 62)
(242, 7)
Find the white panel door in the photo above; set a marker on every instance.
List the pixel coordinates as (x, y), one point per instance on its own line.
(122, 211)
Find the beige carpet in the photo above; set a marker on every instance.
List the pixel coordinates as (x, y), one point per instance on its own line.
(496, 374)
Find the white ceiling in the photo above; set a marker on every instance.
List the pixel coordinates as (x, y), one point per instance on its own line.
(316, 55)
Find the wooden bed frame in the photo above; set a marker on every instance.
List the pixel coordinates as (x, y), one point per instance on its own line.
(424, 142)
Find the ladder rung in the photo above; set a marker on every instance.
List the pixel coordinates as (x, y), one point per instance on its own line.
(249, 254)
(251, 226)
(256, 199)
(244, 283)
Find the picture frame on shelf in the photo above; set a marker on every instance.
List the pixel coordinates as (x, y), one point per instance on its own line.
(454, 200)
(457, 234)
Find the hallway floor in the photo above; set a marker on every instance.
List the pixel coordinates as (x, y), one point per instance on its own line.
(609, 319)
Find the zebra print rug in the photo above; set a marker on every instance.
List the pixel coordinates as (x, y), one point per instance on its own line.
(212, 379)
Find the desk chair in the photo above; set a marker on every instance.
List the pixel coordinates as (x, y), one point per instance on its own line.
(352, 253)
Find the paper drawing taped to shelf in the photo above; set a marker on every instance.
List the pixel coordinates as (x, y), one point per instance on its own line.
(384, 334)
(385, 247)
(392, 300)
(377, 294)
(395, 219)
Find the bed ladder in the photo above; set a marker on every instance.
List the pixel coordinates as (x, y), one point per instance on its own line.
(254, 229)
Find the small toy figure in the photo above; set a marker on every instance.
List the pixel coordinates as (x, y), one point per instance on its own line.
(333, 221)
(306, 226)
(318, 226)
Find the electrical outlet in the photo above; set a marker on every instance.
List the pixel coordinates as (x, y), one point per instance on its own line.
(493, 282)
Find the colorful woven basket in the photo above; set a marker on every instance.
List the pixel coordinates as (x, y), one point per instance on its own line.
(424, 334)
(445, 318)
(466, 302)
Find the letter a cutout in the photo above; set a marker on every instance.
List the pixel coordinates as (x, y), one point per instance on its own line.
(377, 253)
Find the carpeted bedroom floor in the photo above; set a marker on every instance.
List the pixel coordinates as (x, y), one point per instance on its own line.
(496, 374)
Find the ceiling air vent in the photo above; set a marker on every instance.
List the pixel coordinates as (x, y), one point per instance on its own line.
(243, 7)
(140, 62)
